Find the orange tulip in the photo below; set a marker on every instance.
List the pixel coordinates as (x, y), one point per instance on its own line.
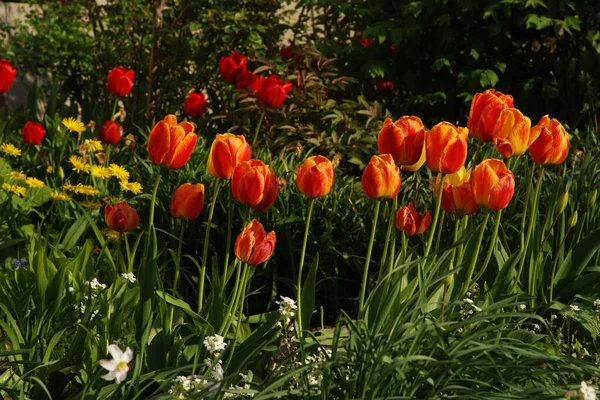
(188, 201)
(485, 110)
(254, 183)
(381, 177)
(446, 147)
(226, 153)
(493, 184)
(403, 139)
(171, 144)
(512, 133)
(121, 217)
(315, 177)
(550, 142)
(253, 245)
(457, 195)
(409, 221)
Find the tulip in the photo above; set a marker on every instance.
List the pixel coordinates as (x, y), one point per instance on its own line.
(409, 221)
(254, 183)
(485, 110)
(121, 217)
(7, 75)
(250, 81)
(384, 85)
(512, 133)
(381, 178)
(33, 133)
(493, 184)
(289, 52)
(171, 144)
(550, 142)
(227, 152)
(120, 81)
(188, 201)
(315, 177)
(253, 245)
(195, 105)
(457, 195)
(232, 67)
(446, 147)
(272, 91)
(110, 132)
(403, 139)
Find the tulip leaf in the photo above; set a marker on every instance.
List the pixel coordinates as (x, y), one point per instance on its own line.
(308, 293)
(579, 256)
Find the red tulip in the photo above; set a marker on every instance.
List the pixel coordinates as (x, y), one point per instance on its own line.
(121, 217)
(254, 183)
(253, 245)
(7, 75)
(384, 85)
(457, 195)
(512, 133)
(188, 201)
(550, 142)
(171, 144)
(446, 147)
(403, 139)
(364, 42)
(33, 133)
(110, 132)
(289, 52)
(272, 92)
(250, 81)
(315, 177)
(232, 67)
(381, 178)
(120, 81)
(409, 221)
(485, 110)
(226, 153)
(195, 105)
(493, 184)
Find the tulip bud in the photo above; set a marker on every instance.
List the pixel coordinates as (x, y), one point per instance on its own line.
(232, 67)
(572, 220)
(33, 133)
(550, 142)
(409, 221)
(110, 132)
(381, 178)
(272, 91)
(561, 204)
(315, 177)
(7, 75)
(253, 245)
(120, 81)
(188, 201)
(195, 105)
(591, 201)
(450, 278)
(121, 217)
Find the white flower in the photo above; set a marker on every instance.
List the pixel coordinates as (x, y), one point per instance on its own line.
(71, 289)
(597, 303)
(94, 284)
(129, 277)
(588, 392)
(522, 306)
(573, 307)
(119, 365)
(468, 301)
(214, 343)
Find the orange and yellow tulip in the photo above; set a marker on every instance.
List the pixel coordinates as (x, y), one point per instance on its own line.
(381, 177)
(493, 184)
(403, 139)
(485, 110)
(171, 144)
(315, 177)
(512, 133)
(226, 153)
(254, 183)
(121, 217)
(188, 201)
(409, 221)
(457, 195)
(551, 142)
(446, 147)
(253, 245)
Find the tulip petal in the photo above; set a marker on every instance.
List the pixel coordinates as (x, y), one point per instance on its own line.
(184, 151)
(501, 193)
(263, 250)
(159, 142)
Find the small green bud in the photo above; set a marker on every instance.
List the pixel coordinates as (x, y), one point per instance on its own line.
(591, 201)
(448, 280)
(562, 202)
(61, 173)
(572, 220)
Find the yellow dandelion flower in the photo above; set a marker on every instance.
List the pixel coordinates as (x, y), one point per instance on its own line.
(49, 169)
(133, 187)
(119, 172)
(60, 196)
(80, 164)
(91, 145)
(73, 125)
(34, 182)
(68, 187)
(17, 190)
(101, 172)
(11, 150)
(86, 189)
(111, 200)
(91, 205)
(19, 176)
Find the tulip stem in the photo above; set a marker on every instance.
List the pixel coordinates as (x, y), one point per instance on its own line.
(492, 245)
(474, 256)
(231, 308)
(127, 249)
(227, 247)
(388, 234)
(262, 116)
(178, 261)
(435, 217)
(526, 207)
(311, 205)
(153, 201)
(241, 298)
(554, 263)
(205, 249)
(363, 287)
(113, 116)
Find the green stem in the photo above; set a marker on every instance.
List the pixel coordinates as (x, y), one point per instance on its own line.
(553, 276)
(228, 246)
(311, 205)
(463, 229)
(363, 287)
(262, 116)
(241, 298)
(107, 155)
(178, 261)
(388, 235)
(205, 249)
(435, 217)
(113, 116)
(492, 245)
(439, 233)
(526, 207)
(127, 249)
(233, 300)
(153, 200)
(471, 267)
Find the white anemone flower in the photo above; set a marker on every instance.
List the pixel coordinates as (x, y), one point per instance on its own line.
(119, 365)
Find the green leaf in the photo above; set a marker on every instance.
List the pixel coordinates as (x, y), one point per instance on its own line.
(579, 257)
(308, 293)
(526, 336)
(74, 233)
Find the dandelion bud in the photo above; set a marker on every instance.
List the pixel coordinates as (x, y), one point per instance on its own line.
(572, 220)
(61, 173)
(448, 280)
(562, 202)
(591, 201)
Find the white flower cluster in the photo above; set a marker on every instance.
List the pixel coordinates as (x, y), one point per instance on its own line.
(129, 277)
(597, 305)
(585, 392)
(95, 284)
(287, 308)
(574, 307)
(214, 344)
(185, 387)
